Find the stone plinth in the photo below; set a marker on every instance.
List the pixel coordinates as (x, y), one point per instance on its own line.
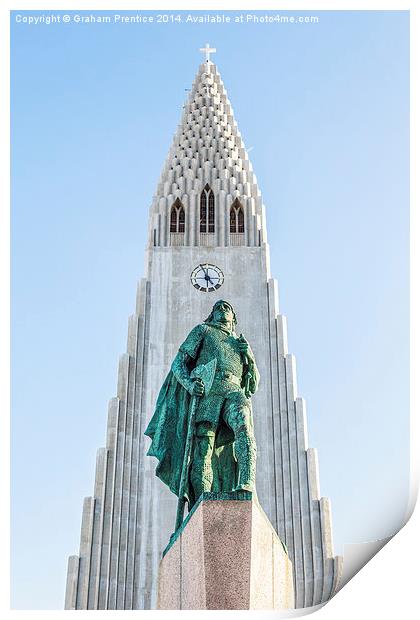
(226, 555)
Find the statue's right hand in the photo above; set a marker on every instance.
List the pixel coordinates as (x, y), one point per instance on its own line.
(198, 387)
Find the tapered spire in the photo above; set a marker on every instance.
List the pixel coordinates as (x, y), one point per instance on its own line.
(207, 148)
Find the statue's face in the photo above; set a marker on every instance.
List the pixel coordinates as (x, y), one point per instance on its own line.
(223, 313)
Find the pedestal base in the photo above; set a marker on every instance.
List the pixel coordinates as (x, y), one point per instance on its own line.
(226, 555)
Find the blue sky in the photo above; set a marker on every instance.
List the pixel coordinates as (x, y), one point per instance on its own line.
(94, 106)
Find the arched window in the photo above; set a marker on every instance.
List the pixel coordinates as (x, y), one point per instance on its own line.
(207, 210)
(174, 220)
(181, 220)
(177, 217)
(237, 222)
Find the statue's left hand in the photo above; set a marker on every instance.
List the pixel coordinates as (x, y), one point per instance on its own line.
(243, 345)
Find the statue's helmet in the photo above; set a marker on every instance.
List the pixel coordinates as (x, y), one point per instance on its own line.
(210, 318)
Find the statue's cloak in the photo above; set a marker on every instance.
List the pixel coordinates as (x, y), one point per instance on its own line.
(168, 432)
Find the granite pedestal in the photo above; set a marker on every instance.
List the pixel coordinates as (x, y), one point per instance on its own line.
(226, 555)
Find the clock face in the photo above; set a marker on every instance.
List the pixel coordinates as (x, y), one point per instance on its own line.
(207, 277)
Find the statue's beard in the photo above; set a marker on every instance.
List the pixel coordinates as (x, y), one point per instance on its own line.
(224, 322)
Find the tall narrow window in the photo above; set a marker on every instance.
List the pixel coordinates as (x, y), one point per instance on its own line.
(177, 217)
(181, 220)
(174, 220)
(203, 211)
(207, 210)
(237, 222)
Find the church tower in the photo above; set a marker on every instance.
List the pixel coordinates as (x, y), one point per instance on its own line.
(207, 218)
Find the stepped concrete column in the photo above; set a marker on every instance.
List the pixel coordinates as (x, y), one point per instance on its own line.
(226, 555)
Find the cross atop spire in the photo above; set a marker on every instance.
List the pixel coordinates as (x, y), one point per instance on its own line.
(207, 51)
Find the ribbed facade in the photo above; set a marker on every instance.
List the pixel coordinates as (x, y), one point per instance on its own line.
(207, 208)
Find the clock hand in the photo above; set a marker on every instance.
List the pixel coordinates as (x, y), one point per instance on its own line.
(206, 273)
(203, 270)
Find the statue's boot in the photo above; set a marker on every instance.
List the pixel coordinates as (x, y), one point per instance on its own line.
(246, 455)
(201, 467)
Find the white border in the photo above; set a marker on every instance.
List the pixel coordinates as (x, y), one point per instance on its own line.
(387, 586)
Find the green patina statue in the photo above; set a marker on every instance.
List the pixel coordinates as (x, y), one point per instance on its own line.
(202, 429)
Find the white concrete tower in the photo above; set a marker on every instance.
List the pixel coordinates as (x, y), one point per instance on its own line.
(207, 210)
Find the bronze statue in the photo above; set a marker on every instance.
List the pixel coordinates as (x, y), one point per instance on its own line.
(202, 429)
